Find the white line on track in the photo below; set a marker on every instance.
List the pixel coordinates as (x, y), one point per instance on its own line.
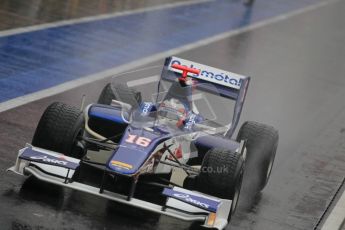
(336, 218)
(13, 103)
(143, 81)
(96, 18)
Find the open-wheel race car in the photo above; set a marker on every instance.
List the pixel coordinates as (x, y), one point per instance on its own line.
(159, 140)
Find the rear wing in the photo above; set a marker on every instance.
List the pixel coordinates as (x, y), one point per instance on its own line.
(229, 85)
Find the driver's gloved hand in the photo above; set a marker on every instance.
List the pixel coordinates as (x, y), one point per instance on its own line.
(189, 121)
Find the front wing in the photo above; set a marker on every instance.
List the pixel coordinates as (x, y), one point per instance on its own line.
(181, 203)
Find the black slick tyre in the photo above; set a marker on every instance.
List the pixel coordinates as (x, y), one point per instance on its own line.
(59, 128)
(221, 175)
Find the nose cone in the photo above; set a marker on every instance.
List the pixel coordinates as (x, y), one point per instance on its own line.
(135, 149)
(127, 160)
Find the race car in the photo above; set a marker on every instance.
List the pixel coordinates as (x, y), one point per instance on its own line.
(159, 140)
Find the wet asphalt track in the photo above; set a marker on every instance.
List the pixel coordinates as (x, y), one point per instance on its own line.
(298, 79)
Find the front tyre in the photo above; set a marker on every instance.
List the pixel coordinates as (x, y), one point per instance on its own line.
(59, 128)
(261, 145)
(221, 176)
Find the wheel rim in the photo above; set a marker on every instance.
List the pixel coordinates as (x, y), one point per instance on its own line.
(235, 200)
(236, 195)
(269, 169)
(270, 164)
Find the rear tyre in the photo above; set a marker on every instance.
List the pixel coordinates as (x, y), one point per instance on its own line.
(106, 96)
(121, 93)
(221, 176)
(262, 143)
(59, 128)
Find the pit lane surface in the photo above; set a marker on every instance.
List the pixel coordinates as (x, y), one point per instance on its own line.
(17, 14)
(297, 69)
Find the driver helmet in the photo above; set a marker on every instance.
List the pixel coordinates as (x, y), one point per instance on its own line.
(173, 110)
